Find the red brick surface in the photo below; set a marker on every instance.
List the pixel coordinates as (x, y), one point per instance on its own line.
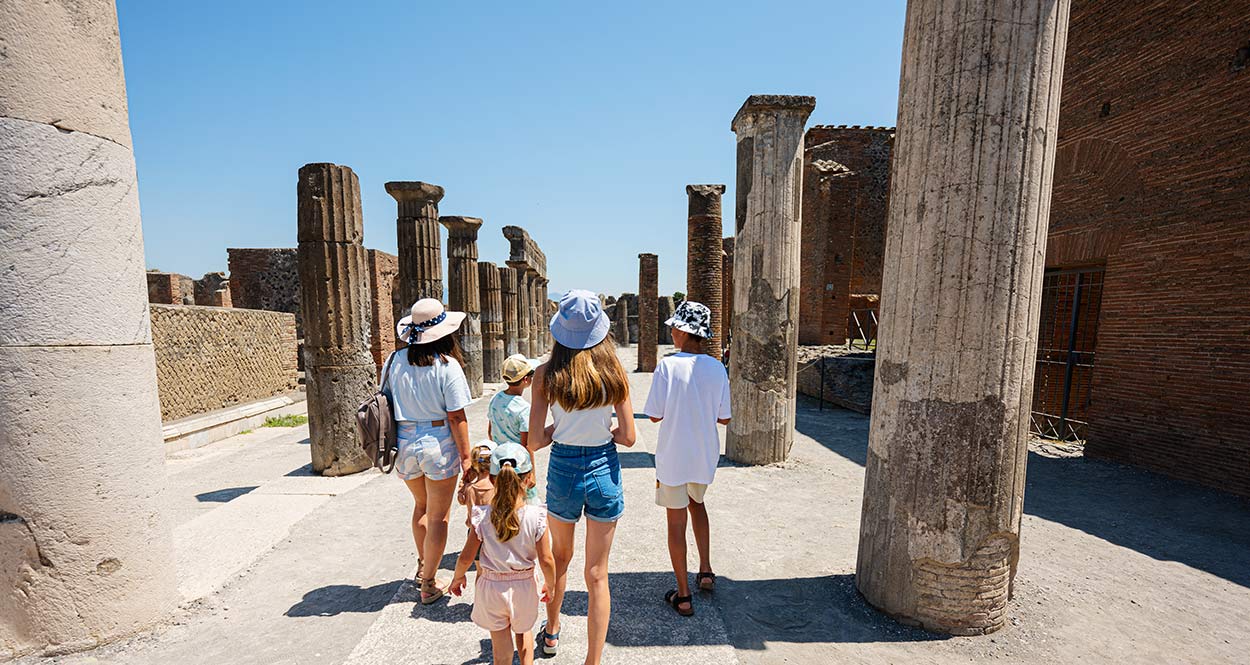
(383, 274)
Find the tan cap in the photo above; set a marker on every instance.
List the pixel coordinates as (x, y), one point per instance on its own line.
(517, 367)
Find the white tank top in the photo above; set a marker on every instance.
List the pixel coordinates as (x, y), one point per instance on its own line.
(590, 427)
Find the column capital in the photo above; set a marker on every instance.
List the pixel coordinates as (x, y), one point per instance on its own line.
(461, 227)
(704, 201)
(705, 190)
(414, 191)
(755, 105)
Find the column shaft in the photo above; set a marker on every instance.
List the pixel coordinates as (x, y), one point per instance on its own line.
(620, 325)
(523, 312)
(648, 302)
(463, 292)
(703, 256)
(508, 298)
(492, 322)
(419, 247)
(727, 290)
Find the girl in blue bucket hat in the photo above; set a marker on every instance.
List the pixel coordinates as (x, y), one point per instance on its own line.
(584, 386)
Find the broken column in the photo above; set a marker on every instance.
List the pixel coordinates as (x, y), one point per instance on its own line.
(944, 482)
(620, 324)
(463, 293)
(85, 547)
(508, 298)
(703, 255)
(334, 296)
(763, 365)
(420, 265)
(648, 301)
(492, 322)
(664, 312)
(727, 292)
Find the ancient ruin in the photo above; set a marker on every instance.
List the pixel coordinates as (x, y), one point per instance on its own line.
(944, 481)
(648, 295)
(85, 544)
(463, 292)
(763, 360)
(727, 289)
(383, 278)
(620, 322)
(664, 311)
(265, 278)
(420, 263)
(531, 266)
(508, 299)
(491, 301)
(334, 295)
(703, 256)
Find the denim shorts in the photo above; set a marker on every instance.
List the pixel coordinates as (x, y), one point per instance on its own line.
(584, 478)
(425, 450)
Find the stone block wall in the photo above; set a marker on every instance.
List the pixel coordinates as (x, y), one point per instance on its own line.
(383, 279)
(209, 357)
(265, 278)
(847, 376)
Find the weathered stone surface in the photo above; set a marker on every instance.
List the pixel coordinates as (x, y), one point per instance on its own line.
(648, 301)
(703, 256)
(727, 289)
(944, 479)
(464, 293)
(766, 273)
(531, 265)
(492, 322)
(334, 392)
(266, 278)
(419, 245)
(524, 312)
(329, 205)
(664, 311)
(338, 297)
(508, 300)
(383, 278)
(620, 325)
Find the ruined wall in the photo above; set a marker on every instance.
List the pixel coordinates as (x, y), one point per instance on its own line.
(383, 276)
(265, 279)
(846, 181)
(1151, 183)
(209, 357)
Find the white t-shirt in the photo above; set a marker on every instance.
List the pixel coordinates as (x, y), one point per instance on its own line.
(690, 391)
(426, 393)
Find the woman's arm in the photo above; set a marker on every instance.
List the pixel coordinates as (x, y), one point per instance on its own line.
(462, 564)
(624, 434)
(459, 424)
(539, 435)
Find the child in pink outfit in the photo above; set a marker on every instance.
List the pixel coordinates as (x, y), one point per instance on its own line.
(512, 538)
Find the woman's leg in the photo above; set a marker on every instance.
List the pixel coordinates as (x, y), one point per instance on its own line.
(439, 495)
(525, 647)
(598, 546)
(501, 646)
(562, 534)
(417, 487)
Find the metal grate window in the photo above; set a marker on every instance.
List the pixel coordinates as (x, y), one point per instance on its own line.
(1067, 338)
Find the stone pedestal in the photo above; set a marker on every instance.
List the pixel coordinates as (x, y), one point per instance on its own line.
(492, 322)
(763, 363)
(508, 298)
(703, 256)
(334, 296)
(727, 290)
(85, 547)
(420, 263)
(463, 292)
(648, 301)
(971, 182)
(663, 313)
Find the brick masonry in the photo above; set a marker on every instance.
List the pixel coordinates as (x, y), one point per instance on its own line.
(383, 275)
(210, 358)
(265, 278)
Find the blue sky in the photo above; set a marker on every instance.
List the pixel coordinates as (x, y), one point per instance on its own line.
(582, 122)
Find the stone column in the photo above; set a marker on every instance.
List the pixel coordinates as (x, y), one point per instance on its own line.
(763, 365)
(664, 311)
(508, 298)
(463, 294)
(522, 312)
(544, 322)
(648, 302)
(85, 547)
(727, 290)
(703, 255)
(536, 313)
(492, 322)
(620, 325)
(334, 296)
(420, 263)
(944, 479)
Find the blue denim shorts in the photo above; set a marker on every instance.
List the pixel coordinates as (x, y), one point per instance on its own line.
(584, 478)
(425, 450)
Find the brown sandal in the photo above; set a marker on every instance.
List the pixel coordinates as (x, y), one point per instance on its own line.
(709, 578)
(431, 592)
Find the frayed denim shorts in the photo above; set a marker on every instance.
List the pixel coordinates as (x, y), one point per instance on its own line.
(425, 450)
(584, 478)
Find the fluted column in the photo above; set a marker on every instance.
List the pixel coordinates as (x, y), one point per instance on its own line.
(86, 553)
(703, 255)
(944, 482)
(508, 298)
(492, 322)
(420, 263)
(463, 293)
(523, 312)
(334, 297)
(535, 313)
(648, 302)
(763, 365)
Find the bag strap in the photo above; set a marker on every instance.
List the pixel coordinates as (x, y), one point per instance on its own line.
(386, 371)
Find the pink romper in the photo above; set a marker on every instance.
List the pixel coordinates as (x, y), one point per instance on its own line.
(506, 593)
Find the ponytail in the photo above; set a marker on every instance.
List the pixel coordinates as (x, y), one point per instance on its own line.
(503, 513)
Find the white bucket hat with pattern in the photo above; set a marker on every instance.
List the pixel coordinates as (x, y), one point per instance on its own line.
(692, 317)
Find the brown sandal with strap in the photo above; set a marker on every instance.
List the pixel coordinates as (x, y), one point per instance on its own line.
(708, 577)
(431, 592)
(674, 600)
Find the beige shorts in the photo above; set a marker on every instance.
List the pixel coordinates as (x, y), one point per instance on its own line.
(680, 496)
(505, 600)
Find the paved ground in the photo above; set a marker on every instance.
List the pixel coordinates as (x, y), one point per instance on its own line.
(1117, 566)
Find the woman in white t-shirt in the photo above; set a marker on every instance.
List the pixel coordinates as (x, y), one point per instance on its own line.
(428, 392)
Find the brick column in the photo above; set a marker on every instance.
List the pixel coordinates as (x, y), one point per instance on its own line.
(334, 295)
(86, 553)
(944, 480)
(763, 365)
(703, 255)
(648, 301)
(463, 293)
(492, 322)
(420, 263)
(508, 298)
(727, 289)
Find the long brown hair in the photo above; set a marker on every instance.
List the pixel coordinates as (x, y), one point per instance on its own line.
(423, 355)
(580, 379)
(509, 487)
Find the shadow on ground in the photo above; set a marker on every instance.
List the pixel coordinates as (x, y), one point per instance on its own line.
(335, 599)
(224, 495)
(1165, 519)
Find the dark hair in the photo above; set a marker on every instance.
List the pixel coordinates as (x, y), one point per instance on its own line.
(423, 355)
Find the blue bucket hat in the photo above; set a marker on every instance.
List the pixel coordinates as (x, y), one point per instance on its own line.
(580, 322)
(513, 454)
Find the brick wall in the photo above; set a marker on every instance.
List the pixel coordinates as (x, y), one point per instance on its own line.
(265, 279)
(164, 288)
(846, 180)
(1152, 181)
(209, 357)
(383, 271)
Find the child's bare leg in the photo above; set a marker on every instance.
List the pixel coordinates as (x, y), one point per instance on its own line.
(702, 535)
(525, 647)
(562, 549)
(677, 549)
(501, 646)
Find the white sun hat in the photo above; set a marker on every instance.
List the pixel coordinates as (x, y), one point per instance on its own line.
(428, 321)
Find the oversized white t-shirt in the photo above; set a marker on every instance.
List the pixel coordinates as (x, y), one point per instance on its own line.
(690, 391)
(426, 393)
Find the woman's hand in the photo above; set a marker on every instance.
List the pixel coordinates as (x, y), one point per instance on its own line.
(457, 585)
